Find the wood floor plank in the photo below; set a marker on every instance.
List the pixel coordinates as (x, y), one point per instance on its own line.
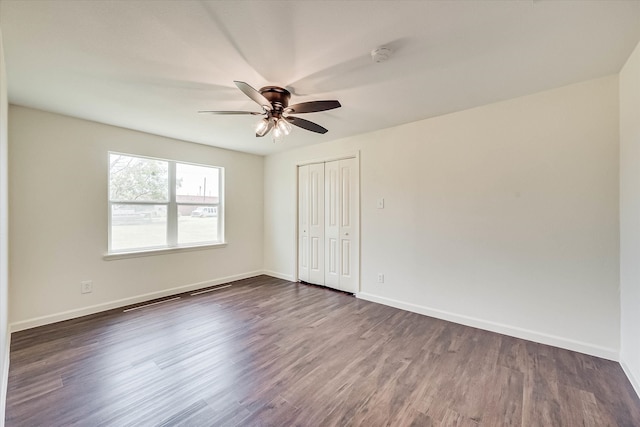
(267, 352)
(503, 398)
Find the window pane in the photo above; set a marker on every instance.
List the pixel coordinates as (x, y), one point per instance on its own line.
(197, 184)
(134, 179)
(197, 224)
(138, 226)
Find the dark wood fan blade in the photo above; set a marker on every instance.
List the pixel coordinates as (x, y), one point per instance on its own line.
(312, 107)
(254, 94)
(306, 124)
(231, 112)
(269, 127)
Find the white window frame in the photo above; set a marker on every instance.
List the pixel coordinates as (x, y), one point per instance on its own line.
(172, 212)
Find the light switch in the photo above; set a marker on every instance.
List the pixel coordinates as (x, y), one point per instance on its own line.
(381, 203)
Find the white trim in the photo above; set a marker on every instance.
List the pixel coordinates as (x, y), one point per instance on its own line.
(514, 331)
(5, 378)
(635, 382)
(161, 251)
(171, 237)
(72, 314)
(277, 275)
(351, 155)
(296, 207)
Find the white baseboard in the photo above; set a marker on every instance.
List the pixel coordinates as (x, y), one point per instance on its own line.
(539, 337)
(84, 311)
(5, 378)
(277, 275)
(635, 382)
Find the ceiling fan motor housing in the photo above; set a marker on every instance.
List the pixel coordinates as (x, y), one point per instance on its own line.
(278, 97)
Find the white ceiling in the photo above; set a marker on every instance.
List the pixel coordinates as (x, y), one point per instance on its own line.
(151, 65)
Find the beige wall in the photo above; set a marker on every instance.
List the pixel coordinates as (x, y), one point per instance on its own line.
(58, 229)
(630, 217)
(503, 217)
(4, 237)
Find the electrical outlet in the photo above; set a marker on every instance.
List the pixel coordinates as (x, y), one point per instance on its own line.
(86, 287)
(380, 278)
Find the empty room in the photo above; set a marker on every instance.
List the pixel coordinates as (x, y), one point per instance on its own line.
(320, 213)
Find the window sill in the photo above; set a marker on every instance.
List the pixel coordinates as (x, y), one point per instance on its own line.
(152, 252)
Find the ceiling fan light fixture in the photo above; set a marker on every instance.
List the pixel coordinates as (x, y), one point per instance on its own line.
(283, 126)
(262, 127)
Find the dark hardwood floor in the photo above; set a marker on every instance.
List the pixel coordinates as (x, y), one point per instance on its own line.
(269, 352)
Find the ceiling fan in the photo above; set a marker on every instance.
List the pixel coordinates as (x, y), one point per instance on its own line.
(274, 101)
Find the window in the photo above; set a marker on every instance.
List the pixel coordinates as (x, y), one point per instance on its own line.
(160, 204)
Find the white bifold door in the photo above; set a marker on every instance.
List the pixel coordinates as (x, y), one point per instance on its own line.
(311, 223)
(328, 212)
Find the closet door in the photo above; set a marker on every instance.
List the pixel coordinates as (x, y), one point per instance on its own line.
(316, 224)
(332, 224)
(303, 223)
(341, 229)
(311, 223)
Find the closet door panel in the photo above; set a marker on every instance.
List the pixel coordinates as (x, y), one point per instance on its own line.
(316, 224)
(349, 229)
(303, 223)
(332, 224)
